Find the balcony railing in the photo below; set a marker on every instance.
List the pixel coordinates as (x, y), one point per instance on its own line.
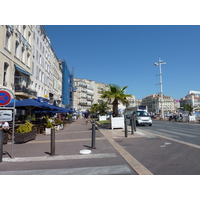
(19, 88)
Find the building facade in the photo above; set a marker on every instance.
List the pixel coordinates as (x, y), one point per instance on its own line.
(84, 95)
(16, 59)
(188, 100)
(28, 64)
(154, 103)
(67, 85)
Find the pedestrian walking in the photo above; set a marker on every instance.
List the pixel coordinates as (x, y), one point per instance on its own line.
(86, 117)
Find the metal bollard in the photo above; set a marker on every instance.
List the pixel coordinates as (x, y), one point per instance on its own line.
(52, 142)
(1, 144)
(132, 125)
(125, 125)
(134, 122)
(93, 135)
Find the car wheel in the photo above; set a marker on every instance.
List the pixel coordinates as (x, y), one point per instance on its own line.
(150, 124)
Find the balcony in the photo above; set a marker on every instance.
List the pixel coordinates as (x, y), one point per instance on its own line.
(90, 98)
(83, 103)
(24, 92)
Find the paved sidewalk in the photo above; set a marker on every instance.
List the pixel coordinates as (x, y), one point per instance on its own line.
(142, 153)
(34, 157)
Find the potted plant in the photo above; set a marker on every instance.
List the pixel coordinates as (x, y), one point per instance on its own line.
(49, 126)
(70, 118)
(25, 133)
(5, 137)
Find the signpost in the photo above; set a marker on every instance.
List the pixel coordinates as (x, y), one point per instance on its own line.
(6, 96)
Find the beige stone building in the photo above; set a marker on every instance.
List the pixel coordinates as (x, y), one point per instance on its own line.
(89, 92)
(84, 95)
(28, 63)
(154, 104)
(16, 59)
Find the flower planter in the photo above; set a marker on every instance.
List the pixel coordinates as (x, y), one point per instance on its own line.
(117, 122)
(102, 118)
(57, 128)
(5, 138)
(25, 137)
(47, 131)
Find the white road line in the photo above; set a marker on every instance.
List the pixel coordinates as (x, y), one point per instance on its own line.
(105, 170)
(59, 157)
(175, 140)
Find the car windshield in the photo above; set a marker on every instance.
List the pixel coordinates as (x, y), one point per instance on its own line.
(141, 113)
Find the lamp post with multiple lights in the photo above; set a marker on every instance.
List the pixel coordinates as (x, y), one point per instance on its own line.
(160, 63)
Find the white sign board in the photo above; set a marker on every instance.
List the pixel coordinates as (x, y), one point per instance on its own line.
(6, 115)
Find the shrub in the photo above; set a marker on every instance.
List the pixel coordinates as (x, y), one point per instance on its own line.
(24, 128)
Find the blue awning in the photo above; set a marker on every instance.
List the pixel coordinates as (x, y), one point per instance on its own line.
(22, 70)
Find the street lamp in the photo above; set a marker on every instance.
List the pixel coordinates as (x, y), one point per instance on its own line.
(160, 63)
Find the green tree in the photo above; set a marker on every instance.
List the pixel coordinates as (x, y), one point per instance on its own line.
(103, 108)
(189, 108)
(94, 108)
(115, 95)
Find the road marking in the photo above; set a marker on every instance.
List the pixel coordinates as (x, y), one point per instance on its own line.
(175, 140)
(135, 164)
(59, 157)
(105, 170)
(176, 133)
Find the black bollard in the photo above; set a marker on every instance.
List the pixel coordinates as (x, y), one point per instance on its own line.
(132, 125)
(93, 135)
(1, 144)
(125, 125)
(52, 142)
(134, 122)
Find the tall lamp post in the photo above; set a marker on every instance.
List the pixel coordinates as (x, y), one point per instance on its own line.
(160, 63)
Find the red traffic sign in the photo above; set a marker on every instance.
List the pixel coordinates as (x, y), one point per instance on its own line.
(5, 98)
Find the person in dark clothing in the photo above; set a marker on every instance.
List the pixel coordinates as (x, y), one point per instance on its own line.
(86, 116)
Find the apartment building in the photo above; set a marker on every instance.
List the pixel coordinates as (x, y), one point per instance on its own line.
(46, 69)
(188, 100)
(29, 64)
(84, 95)
(154, 103)
(16, 59)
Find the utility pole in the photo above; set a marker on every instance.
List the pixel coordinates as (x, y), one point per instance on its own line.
(160, 63)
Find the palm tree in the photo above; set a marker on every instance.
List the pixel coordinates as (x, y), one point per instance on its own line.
(103, 108)
(189, 108)
(100, 108)
(114, 95)
(94, 108)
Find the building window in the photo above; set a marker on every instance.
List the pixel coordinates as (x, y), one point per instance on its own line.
(18, 78)
(40, 60)
(7, 41)
(33, 68)
(24, 31)
(5, 74)
(23, 55)
(28, 60)
(34, 35)
(40, 75)
(29, 37)
(17, 49)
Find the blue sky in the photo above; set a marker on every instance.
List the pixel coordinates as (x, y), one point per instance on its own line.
(125, 55)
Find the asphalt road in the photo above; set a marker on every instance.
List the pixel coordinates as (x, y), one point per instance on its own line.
(185, 132)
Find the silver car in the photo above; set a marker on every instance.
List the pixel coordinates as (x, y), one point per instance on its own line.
(142, 117)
